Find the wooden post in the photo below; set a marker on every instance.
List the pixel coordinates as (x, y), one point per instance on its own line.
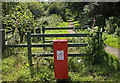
(30, 54)
(43, 32)
(101, 34)
(29, 48)
(21, 35)
(0, 55)
(98, 36)
(2, 39)
(52, 46)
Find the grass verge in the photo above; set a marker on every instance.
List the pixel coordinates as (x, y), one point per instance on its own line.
(16, 68)
(113, 41)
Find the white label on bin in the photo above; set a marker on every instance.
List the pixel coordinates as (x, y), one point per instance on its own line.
(60, 55)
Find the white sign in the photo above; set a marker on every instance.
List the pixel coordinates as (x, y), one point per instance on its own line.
(60, 55)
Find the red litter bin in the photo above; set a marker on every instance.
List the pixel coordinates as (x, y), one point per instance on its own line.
(60, 58)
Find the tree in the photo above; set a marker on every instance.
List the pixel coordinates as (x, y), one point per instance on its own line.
(76, 8)
(19, 19)
(58, 8)
(37, 8)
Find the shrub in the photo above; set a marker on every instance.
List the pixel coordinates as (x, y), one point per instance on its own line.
(117, 31)
(96, 49)
(99, 20)
(51, 21)
(19, 19)
(112, 25)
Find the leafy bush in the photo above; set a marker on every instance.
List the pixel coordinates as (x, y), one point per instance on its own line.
(20, 20)
(95, 48)
(51, 21)
(37, 8)
(117, 31)
(59, 9)
(112, 25)
(99, 20)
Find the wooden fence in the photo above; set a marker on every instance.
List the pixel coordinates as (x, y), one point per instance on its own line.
(43, 35)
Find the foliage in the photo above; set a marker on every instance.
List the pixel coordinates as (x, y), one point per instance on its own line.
(95, 48)
(20, 20)
(57, 8)
(95, 45)
(46, 9)
(117, 31)
(76, 8)
(112, 40)
(98, 10)
(99, 67)
(100, 21)
(7, 7)
(87, 72)
(16, 68)
(22, 15)
(112, 25)
(51, 21)
(38, 9)
(78, 24)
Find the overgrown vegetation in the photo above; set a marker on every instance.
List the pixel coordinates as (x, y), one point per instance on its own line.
(17, 69)
(99, 57)
(112, 25)
(51, 21)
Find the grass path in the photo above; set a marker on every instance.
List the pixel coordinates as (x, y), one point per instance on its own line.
(71, 24)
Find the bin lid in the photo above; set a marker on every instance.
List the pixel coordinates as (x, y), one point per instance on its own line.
(60, 40)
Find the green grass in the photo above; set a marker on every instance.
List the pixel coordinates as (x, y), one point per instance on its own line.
(16, 68)
(112, 41)
(76, 24)
(106, 71)
(65, 24)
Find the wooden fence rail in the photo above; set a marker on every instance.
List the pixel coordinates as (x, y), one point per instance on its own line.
(63, 28)
(29, 45)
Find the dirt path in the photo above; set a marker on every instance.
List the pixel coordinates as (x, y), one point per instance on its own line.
(111, 50)
(71, 24)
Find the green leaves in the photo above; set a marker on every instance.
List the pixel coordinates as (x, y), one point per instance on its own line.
(96, 48)
(24, 18)
(51, 21)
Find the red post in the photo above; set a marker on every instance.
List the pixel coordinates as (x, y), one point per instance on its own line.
(60, 59)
